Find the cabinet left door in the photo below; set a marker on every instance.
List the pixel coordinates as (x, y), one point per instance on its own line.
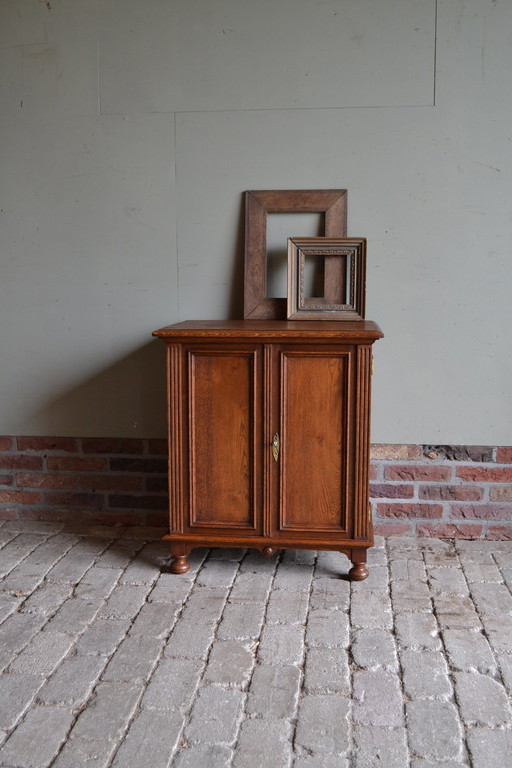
(215, 423)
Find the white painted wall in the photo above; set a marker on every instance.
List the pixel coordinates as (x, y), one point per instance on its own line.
(129, 131)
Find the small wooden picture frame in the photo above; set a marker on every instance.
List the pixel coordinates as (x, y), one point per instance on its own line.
(337, 277)
(258, 203)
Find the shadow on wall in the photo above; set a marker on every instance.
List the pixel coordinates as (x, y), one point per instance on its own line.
(126, 399)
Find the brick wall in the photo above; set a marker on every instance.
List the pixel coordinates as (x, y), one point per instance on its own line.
(424, 490)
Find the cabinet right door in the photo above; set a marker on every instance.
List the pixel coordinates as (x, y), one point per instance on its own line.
(315, 473)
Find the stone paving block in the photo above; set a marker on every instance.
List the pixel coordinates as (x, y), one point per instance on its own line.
(204, 756)
(327, 671)
(84, 753)
(417, 630)
(16, 694)
(119, 554)
(371, 610)
(434, 729)
(331, 564)
(377, 580)
(448, 580)
(91, 545)
(124, 602)
(293, 576)
(490, 747)
(305, 556)
(274, 691)
(499, 632)
(71, 568)
(155, 620)
(255, 562)
(150, 741)
(407, 569)
(492, 599)
(411, 597)
(281, 644)
(481, 572)
(322, 725)
(140, 572)
(108, 713)
(134, 660)
(97, 583)
(205, 604)
(428, 763)
(503, 559)
(74, 615)
(215, 716)
(442, 558)
(230, 663)
(456, 612)
(251, 587)
(103, 636)
(17, 550)
(172, 685)
(38, 738)
(328, 628)
(47, 598)
(44, 652)
(377, 699)
(374, 557)
(380, 747)
(403, 544)
(169, 589)
(321, 761)
(8, 605)
(482, 700)
(330, 593)
(469, 651)
(241, 620)
(374, 649)
(17, 631)
(73, 681)
(425, 675)
(505, 667)
(217, 573)
(190, 640)
(285, 607)
(265, 744)
(226, 553)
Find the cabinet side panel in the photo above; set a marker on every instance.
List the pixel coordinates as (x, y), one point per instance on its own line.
(362, 512)
(175, 395)
(223, 394)
(314, 468)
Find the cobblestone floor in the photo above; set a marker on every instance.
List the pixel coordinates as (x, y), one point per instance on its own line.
(247, 662)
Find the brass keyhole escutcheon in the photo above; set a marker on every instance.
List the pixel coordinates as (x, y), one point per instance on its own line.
(275, 446)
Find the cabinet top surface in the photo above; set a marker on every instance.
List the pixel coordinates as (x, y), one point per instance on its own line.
(363, 330)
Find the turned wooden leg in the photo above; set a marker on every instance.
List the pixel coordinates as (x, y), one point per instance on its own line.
(268, 551)
(179, 555)
(359, 570)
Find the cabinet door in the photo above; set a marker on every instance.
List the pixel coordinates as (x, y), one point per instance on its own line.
(315, 466)
(221, 451)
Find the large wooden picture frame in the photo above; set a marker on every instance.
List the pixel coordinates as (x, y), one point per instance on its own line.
(258, 203)
(342, 267)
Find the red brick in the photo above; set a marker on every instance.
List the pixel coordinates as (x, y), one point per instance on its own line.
(137, 502)
(77, 464)
(157, 466)
(392, 529)
(158, 447)
(449, 531)
(390, 491)
(19, 497)
(157, 520)
(9, 514)
(410, 510)
(114, 445)
(42, 480)
(110, 482)
(74, 500)
(6, 479)
(374, 472)
(5, 443)
(488, 474)
(499, 533)
(450, 492)
(482, 511)
(501, 493)
(504, 455)
(387, 452)
(18, 461)
(427, 472)
(157, 484)
(47, 444)
(114, 518)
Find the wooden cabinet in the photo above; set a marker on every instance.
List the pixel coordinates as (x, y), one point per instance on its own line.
(269, 436)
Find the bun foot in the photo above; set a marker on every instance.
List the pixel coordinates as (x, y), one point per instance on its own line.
(179, 565)
(268, 551)
(358, 572)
